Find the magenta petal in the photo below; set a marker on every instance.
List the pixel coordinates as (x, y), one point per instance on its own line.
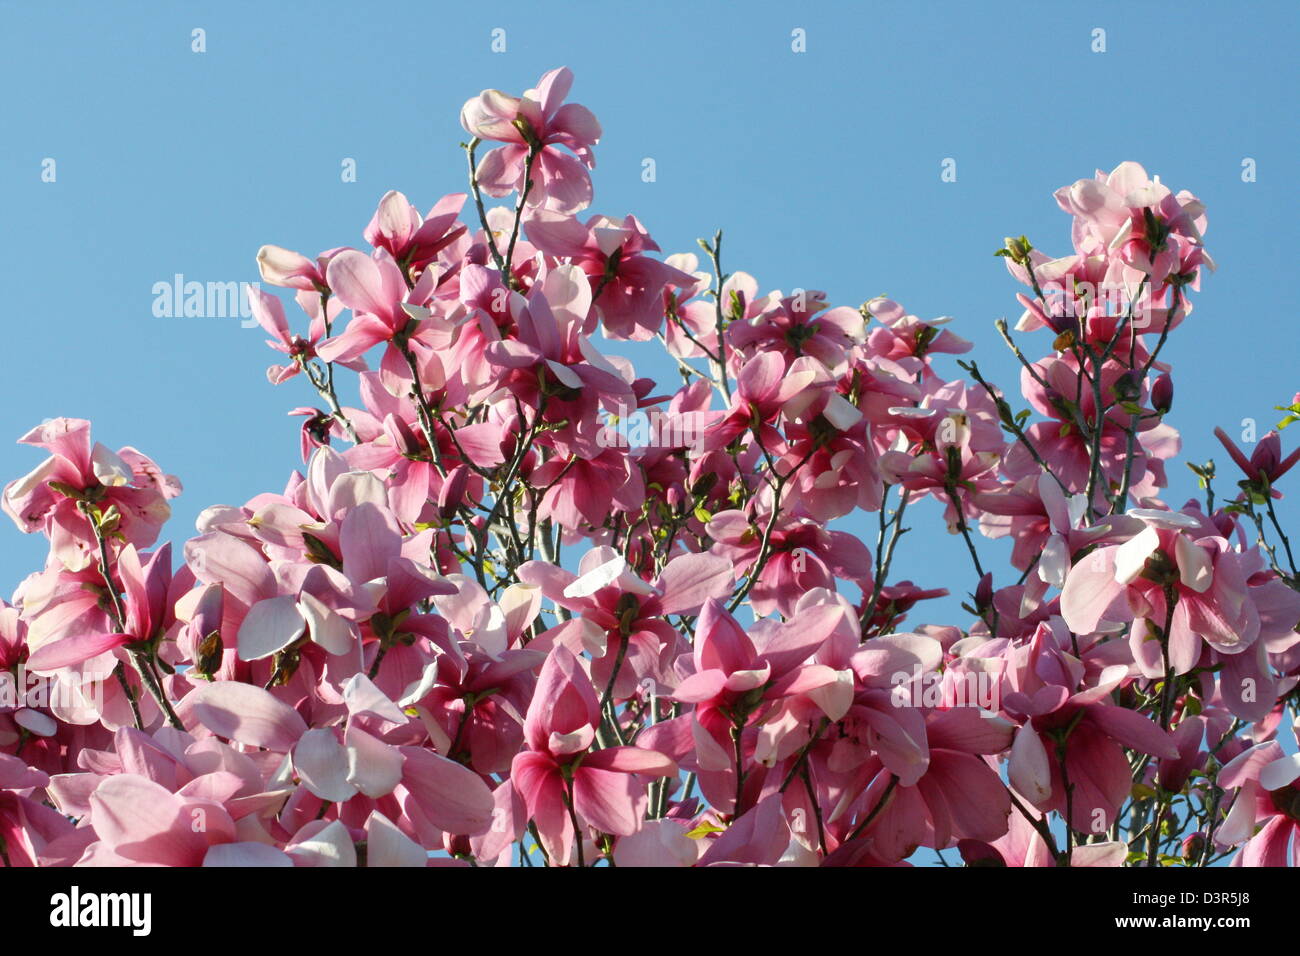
(249, 715)
(74, 650)
(631, 760)
(1133, 730)
(454, 797)
(611, 802)
(144, 822)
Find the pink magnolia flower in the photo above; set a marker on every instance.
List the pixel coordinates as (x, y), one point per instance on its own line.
(1265, 465)
(803, 555)
(627, 285)
(1166, 572)
(894, 602)
(1072, 730)
(411, 239)
(284, 267)
(1023, 845)
(147, 601)
(1265, 813)
(841, 471)
(559, 774)
(1152, 230)
(765, 385)
(1060, 442)
(582, 493)
(952, 795)
(953, 456)
(550, 362)
(692, 323)
(908, 340)
(623, 618)
(538, 123)
(1044, 523)
(28, 828)
(269, 312)
(801, 325)
(736, 680)
(125, 488)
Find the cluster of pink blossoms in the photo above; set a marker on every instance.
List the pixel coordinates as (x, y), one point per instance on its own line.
(480, 627)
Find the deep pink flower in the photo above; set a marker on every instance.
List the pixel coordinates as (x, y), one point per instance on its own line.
(125, 487)
(1265, 813)
(538, 122)
(1265, 465)
(559, 773)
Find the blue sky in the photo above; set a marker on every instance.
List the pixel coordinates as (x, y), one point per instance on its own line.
(822, 167)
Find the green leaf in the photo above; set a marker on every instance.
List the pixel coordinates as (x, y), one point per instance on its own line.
(703, 829)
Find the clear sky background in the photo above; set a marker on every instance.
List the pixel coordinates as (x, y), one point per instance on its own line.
(823, 168)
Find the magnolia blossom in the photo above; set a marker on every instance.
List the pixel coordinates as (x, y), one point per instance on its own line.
(479, 627)
(538, 124)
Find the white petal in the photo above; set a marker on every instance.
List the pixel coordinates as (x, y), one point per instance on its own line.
(42, 725)
(330, 846)
(328, 629)
(363, 697)
(374, 767)
(1028, 769)
(1131, 556)
(246, 854)
(1054, 562)
(388, 846)
(1280, 773)
(417, 689)
(1195, 566)
(1172, 520)
(321, 763)
(566, 375)
(600, 577)
(270, 626)
(108, 467)
(841, 413)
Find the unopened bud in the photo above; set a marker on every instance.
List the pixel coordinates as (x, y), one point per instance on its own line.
(207, 656)
(1162, 394)
(1017, 250)
(1128, 386)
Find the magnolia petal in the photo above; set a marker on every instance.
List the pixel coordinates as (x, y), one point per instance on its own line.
(270, 626)
(249, 715)
(1028, 768)
(374, 767)
(321, 763)
(246, 854)
(386, 845)
(1131, 556)
(330, 845)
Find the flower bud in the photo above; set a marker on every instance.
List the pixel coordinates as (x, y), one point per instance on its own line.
(1017, 250)
(452, 493)
(1128, 387)
(1162, 394)
(207, 656)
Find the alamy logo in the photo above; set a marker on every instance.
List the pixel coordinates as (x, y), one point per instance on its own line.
(76, 909)
(950, 688)
(23, 689)
(182, 299)
(642, 428)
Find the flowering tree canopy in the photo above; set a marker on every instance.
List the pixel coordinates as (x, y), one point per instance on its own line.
(522, 606)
